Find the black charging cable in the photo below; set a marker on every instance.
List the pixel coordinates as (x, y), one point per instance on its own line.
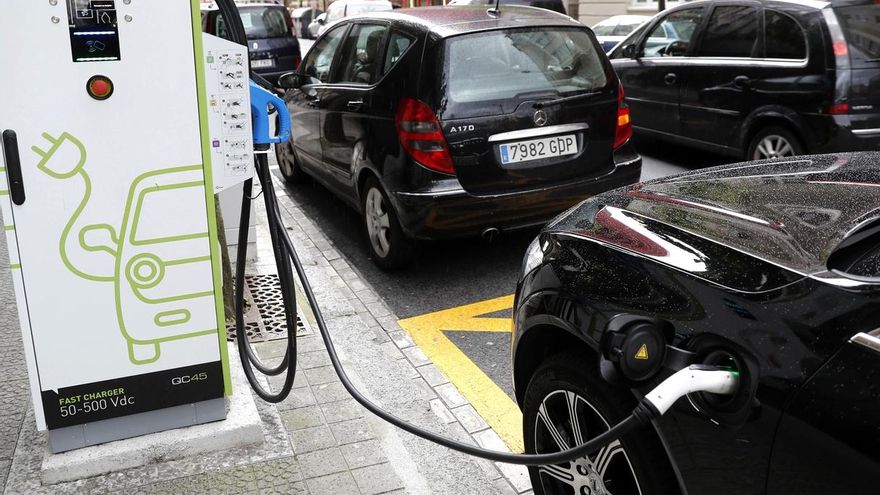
(656, 403)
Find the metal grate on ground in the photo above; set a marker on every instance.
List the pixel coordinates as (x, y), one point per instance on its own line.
(264, 319)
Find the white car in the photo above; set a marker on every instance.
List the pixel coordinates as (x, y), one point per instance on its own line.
(340, 9)
(613, 30)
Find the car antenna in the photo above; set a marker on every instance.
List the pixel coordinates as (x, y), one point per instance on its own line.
(495, 10)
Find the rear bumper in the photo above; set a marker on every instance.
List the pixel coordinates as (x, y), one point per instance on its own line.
(448, 211)
(853, 133)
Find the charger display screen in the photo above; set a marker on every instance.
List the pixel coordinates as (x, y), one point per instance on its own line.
(94, 33)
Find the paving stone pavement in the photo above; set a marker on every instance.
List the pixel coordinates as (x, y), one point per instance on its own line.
(318, 440)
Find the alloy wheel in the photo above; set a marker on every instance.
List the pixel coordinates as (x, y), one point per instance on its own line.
(378, 222)
(773, 146)
(566, 419)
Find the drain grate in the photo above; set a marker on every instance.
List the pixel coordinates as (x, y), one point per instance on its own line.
(265, 320)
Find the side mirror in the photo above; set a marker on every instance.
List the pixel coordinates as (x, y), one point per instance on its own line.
(629, 51)
(290, 80)
(321, 21)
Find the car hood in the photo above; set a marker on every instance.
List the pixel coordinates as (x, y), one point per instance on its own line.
(791, 213)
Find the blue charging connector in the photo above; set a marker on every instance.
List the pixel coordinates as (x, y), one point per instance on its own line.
(261, 100)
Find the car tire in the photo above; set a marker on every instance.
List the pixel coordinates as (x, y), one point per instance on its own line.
(389, 247)
(288, 163)
(774, 142)
(636, 464)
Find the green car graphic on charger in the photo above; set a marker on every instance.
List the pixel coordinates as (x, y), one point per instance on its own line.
(160, 297)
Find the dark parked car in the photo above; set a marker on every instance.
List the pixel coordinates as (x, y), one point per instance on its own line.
(274, 49)
(439, 122)
(771, 268)
(757, 79)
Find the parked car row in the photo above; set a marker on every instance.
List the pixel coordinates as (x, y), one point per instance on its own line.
(445, 122)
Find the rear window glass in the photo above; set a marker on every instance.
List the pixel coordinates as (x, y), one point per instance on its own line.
(505, 65)
(861, 27)
(784, 37)
(264, 22)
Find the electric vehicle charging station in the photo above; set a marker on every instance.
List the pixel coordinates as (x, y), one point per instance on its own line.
(119, 125)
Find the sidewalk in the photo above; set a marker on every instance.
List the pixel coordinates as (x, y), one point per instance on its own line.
(317, 441)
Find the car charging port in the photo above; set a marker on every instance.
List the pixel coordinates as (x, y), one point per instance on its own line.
(728, 410)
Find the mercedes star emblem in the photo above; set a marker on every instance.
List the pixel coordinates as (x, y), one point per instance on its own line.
(540, 118)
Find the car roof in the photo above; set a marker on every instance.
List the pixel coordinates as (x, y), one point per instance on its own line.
(816, 4)
(454, 20)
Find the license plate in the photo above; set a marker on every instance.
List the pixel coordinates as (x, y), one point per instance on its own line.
(536, 149)
(258, 64)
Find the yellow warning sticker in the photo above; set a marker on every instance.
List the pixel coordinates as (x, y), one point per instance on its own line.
(642, 353)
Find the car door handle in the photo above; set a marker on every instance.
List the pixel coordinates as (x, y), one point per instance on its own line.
(742, 82)
(355, 105)
(670, 78)
(314, 103)
(13, 167)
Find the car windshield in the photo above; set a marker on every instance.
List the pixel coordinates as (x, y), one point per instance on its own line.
(521, 63)
(264, 22)
(860, 27)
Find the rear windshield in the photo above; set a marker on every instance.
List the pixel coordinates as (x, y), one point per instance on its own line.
(264, 22)
(518, 64)
(861, 27)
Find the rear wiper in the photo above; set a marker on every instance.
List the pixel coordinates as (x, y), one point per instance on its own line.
(564, 99)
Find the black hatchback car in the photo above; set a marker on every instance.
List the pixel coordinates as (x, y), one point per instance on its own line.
(447, 122)
(757, 79)
(771, 268)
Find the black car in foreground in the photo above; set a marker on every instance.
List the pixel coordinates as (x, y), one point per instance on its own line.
(757, 79)
(449, 122)
(771, 268)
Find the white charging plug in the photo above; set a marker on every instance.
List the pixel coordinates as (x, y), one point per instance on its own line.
(694, 378)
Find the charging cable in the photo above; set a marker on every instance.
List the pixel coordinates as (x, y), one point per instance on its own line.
(695, 378)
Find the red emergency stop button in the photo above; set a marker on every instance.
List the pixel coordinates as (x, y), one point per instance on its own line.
(100, 87)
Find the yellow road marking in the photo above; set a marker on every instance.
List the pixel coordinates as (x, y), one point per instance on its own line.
(495, 406)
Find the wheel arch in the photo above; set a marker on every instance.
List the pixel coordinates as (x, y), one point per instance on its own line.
(769, 116)
(550, 336)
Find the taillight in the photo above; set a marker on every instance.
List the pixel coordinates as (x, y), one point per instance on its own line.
(624, 128)
(840, 48)
(838, 109)
(420, 135)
